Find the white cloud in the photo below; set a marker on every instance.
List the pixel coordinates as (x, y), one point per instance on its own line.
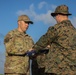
(73, 20)
(53, 6)
(45, 17)
(42, 4)
(29, 11)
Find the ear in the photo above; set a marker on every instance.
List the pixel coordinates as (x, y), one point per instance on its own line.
(18, 22)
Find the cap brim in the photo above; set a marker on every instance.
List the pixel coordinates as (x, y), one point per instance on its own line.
(54, 14)
(29, 22)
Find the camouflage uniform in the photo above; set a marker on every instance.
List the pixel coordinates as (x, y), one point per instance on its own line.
(17, 44)
(61, 37)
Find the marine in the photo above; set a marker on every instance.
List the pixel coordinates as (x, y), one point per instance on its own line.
(61, 59)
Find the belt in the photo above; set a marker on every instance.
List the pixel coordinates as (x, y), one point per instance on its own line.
(17, 55)
(50, 74)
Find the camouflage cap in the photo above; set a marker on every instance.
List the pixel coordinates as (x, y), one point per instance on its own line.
(62, 9)
(24, 18)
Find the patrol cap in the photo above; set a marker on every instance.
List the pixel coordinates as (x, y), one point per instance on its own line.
(62, 9)
(24, 18)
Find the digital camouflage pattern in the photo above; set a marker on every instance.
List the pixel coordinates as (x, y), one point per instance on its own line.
(62, 9)
(61, 58)
(17, 44)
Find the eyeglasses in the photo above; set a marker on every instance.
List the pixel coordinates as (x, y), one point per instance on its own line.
(27, 22)
(55, 16)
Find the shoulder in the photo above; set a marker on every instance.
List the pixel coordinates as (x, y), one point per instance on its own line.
(8, 36)
(29, 39)
(52, 28)
(10, 33)
(28, 36)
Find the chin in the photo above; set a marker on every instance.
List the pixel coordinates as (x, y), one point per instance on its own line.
(25, 29)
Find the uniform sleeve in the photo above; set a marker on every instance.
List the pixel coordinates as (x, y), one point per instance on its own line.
(30, 42)
(46, 39)
(14, 45)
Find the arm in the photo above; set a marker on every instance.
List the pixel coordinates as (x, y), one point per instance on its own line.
(14, 44)
(46, 39)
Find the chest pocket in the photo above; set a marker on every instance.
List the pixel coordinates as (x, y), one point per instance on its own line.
(27, 43)
(19, 42)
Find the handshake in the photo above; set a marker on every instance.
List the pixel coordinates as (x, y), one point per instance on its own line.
(34, 52)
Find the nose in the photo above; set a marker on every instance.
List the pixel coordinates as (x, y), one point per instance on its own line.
(27, 24)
